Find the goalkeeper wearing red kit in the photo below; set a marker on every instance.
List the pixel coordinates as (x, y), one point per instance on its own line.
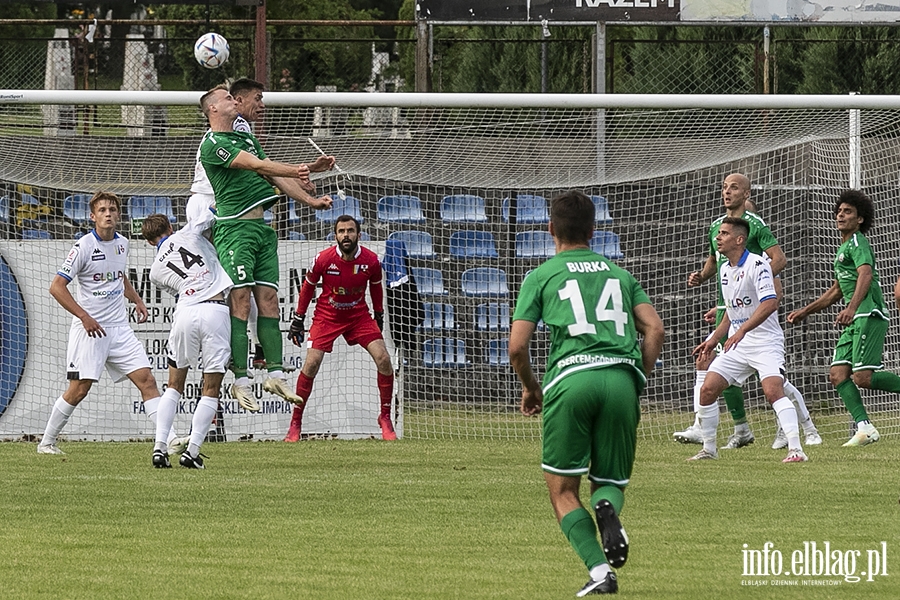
(345, 270)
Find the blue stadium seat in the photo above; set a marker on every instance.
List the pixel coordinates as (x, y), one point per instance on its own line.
(530, 210)
(400, 209)
(484, 282)
(492, 316)
(293, 219)
(607, 244)
(534, 244)
(296, 236)
(4, 209)
(363, 236)
(429, 281)
(438, 317)
(418, 243)
(498, 353)
(139, 207)
(36, 234)
(268, 216)
(77, 208)
(601, 210)
(463, 209)
(444, 353)
(473, 244)
(348, 206)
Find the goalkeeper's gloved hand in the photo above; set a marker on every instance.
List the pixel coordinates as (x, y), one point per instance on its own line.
(297, 332)
(379, 320)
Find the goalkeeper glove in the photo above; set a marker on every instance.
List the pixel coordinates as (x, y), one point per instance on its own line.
(379, 320)
(297, 332)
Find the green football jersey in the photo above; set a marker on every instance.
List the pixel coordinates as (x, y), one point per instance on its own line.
(850, 256)
(760, 239)
(588, 304)
(237, 190)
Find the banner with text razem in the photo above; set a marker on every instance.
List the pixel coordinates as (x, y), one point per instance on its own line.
(551, 10)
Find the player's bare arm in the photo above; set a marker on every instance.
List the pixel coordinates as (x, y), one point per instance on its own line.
(897, 293)
(59, 289)
(708, 346)
(268, 168)
(321, 164)
(650, 326)
(139, 306)
(831, 295)
(294, 188)
(762, 312)
(519, 341)
(863, 282)
(705, 273)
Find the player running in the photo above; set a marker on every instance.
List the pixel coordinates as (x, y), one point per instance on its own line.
(345, 270)
(595, 372)
(857, 361)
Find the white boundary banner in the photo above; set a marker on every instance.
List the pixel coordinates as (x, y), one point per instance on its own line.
(341, 404)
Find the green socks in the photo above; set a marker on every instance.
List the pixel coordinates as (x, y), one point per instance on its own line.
(734, 400)
(614, 494)
(886, 382)
(239, 341)
(579, 528)
(849, 393)
(270, 339)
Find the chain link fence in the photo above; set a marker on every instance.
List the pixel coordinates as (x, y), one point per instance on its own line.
(723, 60)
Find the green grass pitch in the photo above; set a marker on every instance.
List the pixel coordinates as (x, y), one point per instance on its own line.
(428, 519)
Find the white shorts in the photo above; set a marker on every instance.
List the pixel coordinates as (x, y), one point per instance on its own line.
(119, 351)
(200, 327)
(738, 364)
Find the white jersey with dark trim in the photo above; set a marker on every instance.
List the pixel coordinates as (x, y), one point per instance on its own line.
(744, 287)
(187, 266)
(100, 268)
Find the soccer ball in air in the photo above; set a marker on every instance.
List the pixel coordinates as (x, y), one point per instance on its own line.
(211, 50)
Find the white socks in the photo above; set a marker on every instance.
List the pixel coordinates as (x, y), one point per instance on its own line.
(165, 416)
(787, 418)
(151, 407)
(59, 416)
(698, 383)
(709, 423)
(599, 572)
(203, 418)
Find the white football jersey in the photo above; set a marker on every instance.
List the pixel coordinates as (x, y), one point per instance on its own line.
(744, 287)
(201, 184)
(186, 266)
(100, 268)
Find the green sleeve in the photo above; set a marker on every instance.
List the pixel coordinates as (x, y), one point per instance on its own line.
(528, 305)
(217, 155)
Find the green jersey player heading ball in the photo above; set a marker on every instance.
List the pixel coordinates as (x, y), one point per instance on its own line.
(596, 369)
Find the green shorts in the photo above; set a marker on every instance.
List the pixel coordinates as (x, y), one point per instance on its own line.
(861, 345)
(248, 251)
(590, 425)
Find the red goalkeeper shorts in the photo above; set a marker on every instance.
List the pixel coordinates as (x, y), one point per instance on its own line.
(361, 330)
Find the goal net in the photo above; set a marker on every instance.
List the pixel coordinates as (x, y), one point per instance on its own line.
(463, 180)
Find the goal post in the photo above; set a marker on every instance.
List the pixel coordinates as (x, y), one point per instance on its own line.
(463, 180)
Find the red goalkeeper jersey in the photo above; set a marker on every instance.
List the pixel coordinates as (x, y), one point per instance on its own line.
(343, 284)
